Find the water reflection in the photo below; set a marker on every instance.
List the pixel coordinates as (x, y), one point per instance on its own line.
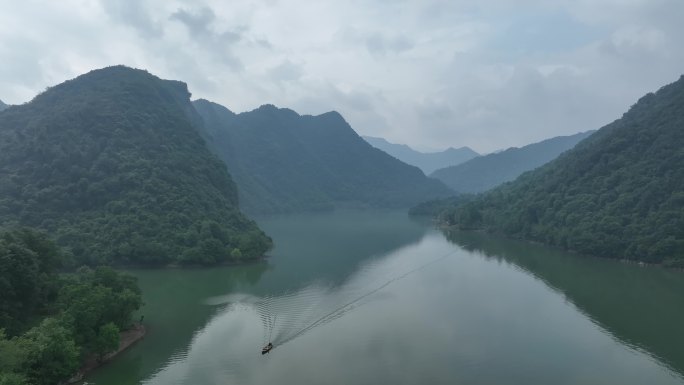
(330, 247)
(463, 320)
(318, 248)
(641, 306)
(226, 350)
(174, 313)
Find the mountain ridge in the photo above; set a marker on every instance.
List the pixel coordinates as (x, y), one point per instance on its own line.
(487, 171)
(285, 162)
(111, 164)
(428, 162)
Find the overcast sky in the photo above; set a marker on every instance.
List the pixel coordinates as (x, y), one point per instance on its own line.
(488, 74)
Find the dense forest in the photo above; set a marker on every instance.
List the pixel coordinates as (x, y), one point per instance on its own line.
(617, 194)
(488, 171)
(426, 161)
(50, 322)
(113, 166)
(282, 161)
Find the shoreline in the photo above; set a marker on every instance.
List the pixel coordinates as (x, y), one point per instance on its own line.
(127, 338)
(626, 261)
(263, 258)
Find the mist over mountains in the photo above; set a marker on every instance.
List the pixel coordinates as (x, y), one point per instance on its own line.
(285, 162)
(121, 167)
(485, 172)
(426, 161)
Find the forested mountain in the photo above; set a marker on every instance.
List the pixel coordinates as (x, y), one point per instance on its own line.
(3, 105)
(488, 171)
(282, 161)
(112, 165)
(426, 161)
(617, 194)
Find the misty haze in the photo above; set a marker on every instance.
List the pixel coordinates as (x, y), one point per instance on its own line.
(409, 192)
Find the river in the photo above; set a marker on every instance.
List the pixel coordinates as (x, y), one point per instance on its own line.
(375, 297)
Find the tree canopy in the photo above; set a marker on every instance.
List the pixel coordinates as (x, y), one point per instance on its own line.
(111, 163)
(617, 194)
(48, 322)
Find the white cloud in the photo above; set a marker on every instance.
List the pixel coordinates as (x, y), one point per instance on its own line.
(433, 74)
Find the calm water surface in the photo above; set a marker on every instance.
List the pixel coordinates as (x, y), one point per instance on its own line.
(393, 300)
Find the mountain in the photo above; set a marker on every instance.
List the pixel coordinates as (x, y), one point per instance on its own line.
(3, 106)
(428, 162)
(617, 194)
(284, 162)
(488, 171)
(112, 165)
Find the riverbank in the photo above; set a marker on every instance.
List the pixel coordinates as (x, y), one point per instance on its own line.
(126, 339)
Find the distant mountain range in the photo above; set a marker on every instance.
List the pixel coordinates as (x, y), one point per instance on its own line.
(284, 162)
(426, 161)
(488, 171)
(111, 165)
(3, 105)
(619, 193)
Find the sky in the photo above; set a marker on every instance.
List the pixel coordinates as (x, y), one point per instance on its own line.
(432, 74)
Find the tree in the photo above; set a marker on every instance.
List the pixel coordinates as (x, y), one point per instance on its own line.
(10, 361)
(107, 340)
(28, 278)
(49, 354)
(236, 254)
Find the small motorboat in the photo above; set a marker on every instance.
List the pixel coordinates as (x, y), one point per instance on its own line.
(267, 348)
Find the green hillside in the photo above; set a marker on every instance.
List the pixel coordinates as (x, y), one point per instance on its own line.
(111, 165)
(617, 194)
(284, 162)
(488, 171)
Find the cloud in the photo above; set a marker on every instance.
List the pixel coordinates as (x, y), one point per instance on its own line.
(379, 44)
(197, 22)
(133, 14)
(286, 72)
(430, 73)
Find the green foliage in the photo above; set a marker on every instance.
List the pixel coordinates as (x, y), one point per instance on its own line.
(81, 313)
(618, 194)
(284, 162)
(10, 357)
(91, 299)
(49, 353)
(112, 165)
(9, 378)
(107, 339)
(236, 254)
(28, 279)
(488, 171)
